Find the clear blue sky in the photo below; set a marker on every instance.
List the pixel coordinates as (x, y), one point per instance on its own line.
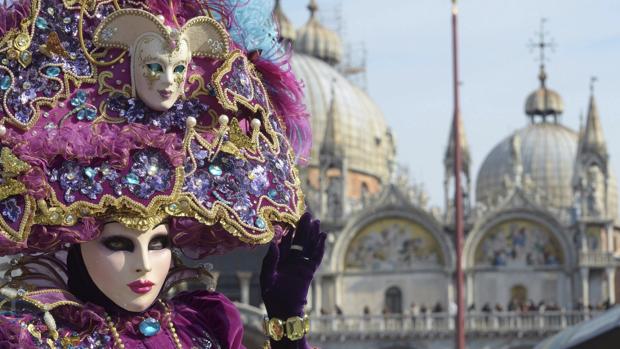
(408, 44)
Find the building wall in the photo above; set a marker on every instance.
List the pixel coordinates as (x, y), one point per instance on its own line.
(425, 288)
(355, 181)
(495, 287)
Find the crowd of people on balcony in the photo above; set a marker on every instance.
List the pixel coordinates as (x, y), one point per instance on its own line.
(514, 306)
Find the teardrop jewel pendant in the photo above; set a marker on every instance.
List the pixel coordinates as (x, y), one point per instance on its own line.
(149, 327)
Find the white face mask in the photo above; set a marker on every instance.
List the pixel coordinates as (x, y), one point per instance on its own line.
(160, 71)
(129, 266)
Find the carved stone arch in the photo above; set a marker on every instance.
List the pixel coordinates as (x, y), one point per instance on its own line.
(543, 219)
(372, 215)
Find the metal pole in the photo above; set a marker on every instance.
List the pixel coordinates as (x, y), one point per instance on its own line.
(458, 190)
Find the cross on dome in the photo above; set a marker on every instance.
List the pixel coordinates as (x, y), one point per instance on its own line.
(542, 45)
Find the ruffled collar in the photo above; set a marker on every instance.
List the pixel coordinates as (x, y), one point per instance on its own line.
(92, 316)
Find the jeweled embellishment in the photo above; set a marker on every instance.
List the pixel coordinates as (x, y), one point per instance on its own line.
(260, 223)
(79, 99)
(41, 23)
(149, 327)
(5, 82)
(87, 113)
(107, 33)
(22, 41)
(132, 179)
(25, 58)
(150, 173)
(215, 170)
(52, 72)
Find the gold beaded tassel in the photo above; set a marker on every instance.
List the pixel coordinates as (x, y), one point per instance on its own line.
(173, 330)
(117, 338)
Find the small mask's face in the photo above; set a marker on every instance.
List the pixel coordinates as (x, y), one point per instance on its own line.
(129, 266)
(160, 71)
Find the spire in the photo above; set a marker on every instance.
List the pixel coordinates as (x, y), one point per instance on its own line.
(593, 140)
(286, 29)
(331, 146)
(313, 7)
(464, 146)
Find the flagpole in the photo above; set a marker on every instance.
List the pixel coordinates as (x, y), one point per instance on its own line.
(458, 190)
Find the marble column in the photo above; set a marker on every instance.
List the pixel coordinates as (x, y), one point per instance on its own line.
(213, 283)
(585, 286)
(318, 293)
(244, 284)
(469, 279)
(611, 284)
(610, 238)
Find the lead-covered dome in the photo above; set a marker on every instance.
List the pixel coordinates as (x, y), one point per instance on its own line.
(316, 40)
(547, 152)
(544, 101)
(360, 126)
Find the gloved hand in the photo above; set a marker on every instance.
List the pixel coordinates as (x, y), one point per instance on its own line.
(288, 269)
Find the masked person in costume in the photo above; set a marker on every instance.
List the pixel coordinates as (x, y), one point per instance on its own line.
(134, 135)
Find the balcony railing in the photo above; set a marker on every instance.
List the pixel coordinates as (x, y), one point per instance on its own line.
(597, 259)
(442, 324)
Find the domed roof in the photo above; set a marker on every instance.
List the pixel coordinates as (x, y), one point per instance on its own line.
(359, 124)
(316, 40)
(544, 101)
(287, 30)
(547, 153)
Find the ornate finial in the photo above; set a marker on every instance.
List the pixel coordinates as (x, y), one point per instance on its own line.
(542, 45)
(593, 80)
(313, 7)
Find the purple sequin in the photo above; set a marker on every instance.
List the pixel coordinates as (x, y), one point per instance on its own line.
(135, 111)
(10, 210)
(150, 173)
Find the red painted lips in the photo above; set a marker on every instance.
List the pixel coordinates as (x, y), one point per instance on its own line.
(141, 286)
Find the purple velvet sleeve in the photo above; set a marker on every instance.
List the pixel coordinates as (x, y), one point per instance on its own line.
(199, 311)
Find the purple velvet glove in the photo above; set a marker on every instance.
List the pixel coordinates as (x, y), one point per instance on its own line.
(288, 269)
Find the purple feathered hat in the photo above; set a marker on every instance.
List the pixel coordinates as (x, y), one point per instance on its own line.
(143, 112)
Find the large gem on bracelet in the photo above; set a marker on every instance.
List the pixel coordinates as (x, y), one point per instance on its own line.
(149, 327)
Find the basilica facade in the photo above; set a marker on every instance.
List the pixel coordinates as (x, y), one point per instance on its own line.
(543, 228)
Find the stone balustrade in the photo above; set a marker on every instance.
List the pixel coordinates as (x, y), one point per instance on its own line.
(442, 324)
(597, 259)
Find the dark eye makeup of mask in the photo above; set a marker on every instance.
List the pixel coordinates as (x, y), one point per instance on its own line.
(121, 243)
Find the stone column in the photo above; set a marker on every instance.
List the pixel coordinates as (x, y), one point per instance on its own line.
(318, 293)
(610, 238)
(585, 286)
(244, 284)
(213, 285)
(611, 284)
(584, 239)
(338, 290)
(469, 279)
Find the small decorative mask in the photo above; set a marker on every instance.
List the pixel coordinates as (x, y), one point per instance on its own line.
(160, 55)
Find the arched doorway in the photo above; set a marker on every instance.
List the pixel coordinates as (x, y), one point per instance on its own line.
(518, 294)
(394, 300)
